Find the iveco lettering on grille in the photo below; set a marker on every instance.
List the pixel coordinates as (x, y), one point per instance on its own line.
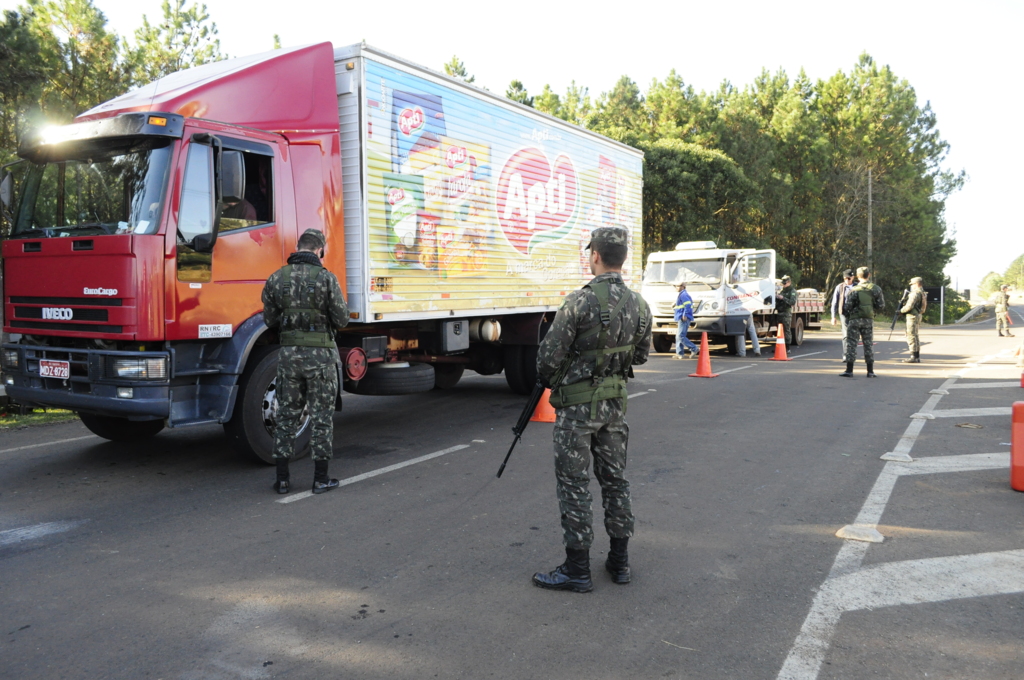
(59, 313)
(99, 291)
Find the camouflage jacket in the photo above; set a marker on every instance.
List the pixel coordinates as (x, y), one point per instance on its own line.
(855, 310)
(785, 300)
(1001, 300)
(328, 300)
(579, 313)
(916, 303)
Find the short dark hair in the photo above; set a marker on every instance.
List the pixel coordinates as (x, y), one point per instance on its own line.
(310, 242)
(612, 254)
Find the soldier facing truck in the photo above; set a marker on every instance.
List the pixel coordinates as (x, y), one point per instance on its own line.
(785, 301)
(305, 303)
(600, 331)
(862, 302)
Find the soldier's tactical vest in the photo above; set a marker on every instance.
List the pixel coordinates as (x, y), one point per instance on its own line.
(865, 301)
(317, 333)
(601, 387)
(919, 305)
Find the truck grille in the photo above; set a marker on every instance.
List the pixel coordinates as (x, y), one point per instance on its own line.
(664, 309)
(87, 314)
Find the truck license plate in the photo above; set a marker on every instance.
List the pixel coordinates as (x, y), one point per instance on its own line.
(54, 369)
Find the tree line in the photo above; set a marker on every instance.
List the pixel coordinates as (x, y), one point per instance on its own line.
(781, 163)
(784, 163)
(1013, 277)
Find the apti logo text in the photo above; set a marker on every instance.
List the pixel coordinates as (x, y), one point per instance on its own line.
(58, 313)
(410, 120)
(99, 291)
(536, 199)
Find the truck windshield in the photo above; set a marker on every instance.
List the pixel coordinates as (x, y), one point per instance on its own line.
(700, 273)
(114, 192)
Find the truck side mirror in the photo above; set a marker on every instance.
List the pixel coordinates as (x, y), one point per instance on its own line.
(204, 242)
(7, 190)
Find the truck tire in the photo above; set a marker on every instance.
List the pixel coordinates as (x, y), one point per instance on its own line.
(798, 331)
(251, 428)
(399, 378)
(447, 376)
(662, 342)
(521, 367)
(121, 429)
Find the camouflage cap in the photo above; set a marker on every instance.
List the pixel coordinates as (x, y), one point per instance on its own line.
(321, 240)
(916, 279)
(612, 235)
(1004, 287)
(786, 278)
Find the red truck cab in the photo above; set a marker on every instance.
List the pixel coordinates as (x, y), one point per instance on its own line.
(144, 231)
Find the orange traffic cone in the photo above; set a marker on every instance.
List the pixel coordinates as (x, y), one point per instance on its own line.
(545, 412)
(780, 347)
(704, 360)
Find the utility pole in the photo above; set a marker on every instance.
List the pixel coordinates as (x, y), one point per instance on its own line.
(870, 266)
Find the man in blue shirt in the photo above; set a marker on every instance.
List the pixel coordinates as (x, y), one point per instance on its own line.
(684, 316)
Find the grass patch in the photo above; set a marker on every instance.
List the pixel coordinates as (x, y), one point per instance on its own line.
(10, 417)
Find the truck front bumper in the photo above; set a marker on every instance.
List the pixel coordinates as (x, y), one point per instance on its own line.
(89, 387)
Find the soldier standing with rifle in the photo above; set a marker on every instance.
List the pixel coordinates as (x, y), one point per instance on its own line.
(861, 304)
(1001, 300)
(305, 303)
(916, 304)
(600, 331)
(785, 301)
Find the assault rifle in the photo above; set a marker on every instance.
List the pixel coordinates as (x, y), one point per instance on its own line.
(896, 315)
(531, 403)
(524, 420)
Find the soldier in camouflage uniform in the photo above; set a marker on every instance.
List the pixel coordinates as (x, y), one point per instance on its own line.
(785, 301)
(917, 302)
(304, 302)
(1001, 300)
(600, 331)
(862, 302)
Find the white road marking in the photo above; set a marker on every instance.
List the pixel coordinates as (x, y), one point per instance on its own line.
(662, 381)
(973, 412)
(976, 386)
(381, 471)
(56, 441)
(637, 394)
(801, 356)
(12, 536)
(935, 579)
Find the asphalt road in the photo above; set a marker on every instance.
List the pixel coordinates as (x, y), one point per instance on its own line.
(175, 560)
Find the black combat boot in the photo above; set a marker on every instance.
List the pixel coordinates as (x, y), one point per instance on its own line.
(617, 563)
(871, 369)
(1000, 334)
(915, 358)
(572, 575)
(281, 485)
(848, 373)
(322, 483)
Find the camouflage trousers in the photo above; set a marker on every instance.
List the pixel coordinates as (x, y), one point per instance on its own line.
(856, 330)
(305, 379)
(786, 319)
(576, 442)
(914, 333)
(1002, 319)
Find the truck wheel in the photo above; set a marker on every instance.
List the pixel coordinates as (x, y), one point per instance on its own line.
(798, 331)
(396, 378)
(121, 429)
(251, 428)
(447, 376)
(662, 342)
(521, 367)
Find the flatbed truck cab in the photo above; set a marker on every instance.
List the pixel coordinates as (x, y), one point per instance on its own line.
(142, 234)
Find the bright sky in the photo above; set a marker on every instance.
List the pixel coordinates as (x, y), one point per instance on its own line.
(962, 57)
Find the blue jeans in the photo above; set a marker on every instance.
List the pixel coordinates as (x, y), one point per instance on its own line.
(683, 342)
(752, 333)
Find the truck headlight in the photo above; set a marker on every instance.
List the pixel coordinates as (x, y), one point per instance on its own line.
(714, 305)
(149, 368)
(10, 358)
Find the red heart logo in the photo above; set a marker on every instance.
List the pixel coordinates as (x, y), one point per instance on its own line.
(536, 201)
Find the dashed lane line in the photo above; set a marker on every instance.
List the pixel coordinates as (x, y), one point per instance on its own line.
(803, 356)
(973, 412)
(56, 441)
(978, 386)
(22, 534)
(381, 471)
(662, 381)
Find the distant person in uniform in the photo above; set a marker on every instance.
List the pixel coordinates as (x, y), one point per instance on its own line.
(917, 303)
(861, 304)
(599, 333)
(304, 302)
(839, 299)
(1001, 299)
(785, 301)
